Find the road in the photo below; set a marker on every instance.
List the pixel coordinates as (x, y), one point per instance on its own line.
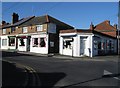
(66, 73)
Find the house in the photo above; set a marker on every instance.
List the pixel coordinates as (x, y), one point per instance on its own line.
(35, 34)
(89, 42)
(10, 31)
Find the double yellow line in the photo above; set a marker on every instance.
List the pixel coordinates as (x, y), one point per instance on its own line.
(32, 78)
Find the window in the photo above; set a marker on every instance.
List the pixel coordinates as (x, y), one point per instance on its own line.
(22, 43)
(68, 44)
(4, 31)
(25, 29)
(12, 29)
(35, 42)
(39, 27)
(4, 42)
(12, 42)
(42, 42)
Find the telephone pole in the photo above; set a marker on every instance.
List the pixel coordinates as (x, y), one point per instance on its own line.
(118, 35)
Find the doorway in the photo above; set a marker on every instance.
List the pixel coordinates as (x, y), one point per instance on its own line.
(83, 45)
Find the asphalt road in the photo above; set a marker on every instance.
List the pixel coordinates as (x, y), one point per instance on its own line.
(66, 72)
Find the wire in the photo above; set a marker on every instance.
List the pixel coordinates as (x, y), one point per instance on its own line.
(52, 7)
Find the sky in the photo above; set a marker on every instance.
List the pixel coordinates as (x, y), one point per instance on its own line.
(77, 14)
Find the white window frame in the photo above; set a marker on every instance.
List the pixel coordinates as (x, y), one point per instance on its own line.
(3, 31)
(25, 29)
(4, 42)
(39, 27)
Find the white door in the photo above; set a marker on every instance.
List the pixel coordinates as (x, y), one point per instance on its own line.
(82, 46)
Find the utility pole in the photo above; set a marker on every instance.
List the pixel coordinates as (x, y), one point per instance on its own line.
(118, 35)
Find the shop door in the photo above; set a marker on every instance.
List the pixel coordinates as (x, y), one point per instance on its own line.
(82, 46)
(28, 44)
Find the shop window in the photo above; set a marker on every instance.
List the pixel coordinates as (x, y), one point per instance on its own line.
(22, 43)
(42, 42)
(35, 42)
(99, 45)
(12, 42)
(39, 27)
(67, 44)
(4, 42)
(95, 44)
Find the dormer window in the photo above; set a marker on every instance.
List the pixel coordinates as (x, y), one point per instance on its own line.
(4, 31)
(39, 27)
(25, 29)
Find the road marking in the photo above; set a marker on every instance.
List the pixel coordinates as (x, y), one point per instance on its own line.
(107, 73)
(35, 77)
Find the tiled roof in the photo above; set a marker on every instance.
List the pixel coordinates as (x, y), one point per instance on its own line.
(19, 22)
(44, 19)
(84, 31)
(106, 28)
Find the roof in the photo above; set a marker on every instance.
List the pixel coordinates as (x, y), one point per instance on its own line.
(106, 28)
(45, 19)
(85, 31)
(18, 23)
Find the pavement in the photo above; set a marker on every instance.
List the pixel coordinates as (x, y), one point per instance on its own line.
(65, 57)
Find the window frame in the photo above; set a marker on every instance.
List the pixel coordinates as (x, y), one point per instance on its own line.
(41, 41)
(23, 29)
(39, 28)
(4, 31)
(3, 42)
(33, 43)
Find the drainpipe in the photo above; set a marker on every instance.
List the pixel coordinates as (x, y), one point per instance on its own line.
(72, 47)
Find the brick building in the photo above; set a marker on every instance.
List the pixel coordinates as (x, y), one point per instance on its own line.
(34, 34)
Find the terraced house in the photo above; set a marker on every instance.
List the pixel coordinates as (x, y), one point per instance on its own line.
(34, 34)
(45, 35)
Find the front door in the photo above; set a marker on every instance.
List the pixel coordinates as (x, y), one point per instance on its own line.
(28, 44)
(82, 45)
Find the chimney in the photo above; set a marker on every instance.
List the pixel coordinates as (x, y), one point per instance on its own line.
(91, 26)
(15, 18)
(115, 26)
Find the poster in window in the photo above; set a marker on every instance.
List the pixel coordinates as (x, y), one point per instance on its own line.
(51, 44)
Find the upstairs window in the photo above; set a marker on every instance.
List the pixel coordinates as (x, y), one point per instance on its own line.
(4, 31)
(12, 29)
(25, 29)
(39, 27)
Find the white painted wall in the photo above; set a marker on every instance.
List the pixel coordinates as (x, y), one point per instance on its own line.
(4, 47)
(42, 50)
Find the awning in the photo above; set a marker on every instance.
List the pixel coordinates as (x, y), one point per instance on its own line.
(11, 36)
(23, 37)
